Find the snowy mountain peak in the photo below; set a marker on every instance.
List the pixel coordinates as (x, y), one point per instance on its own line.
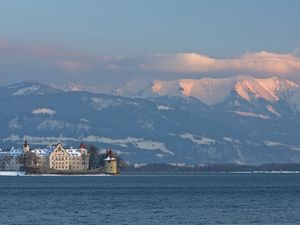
(211, 90)
(269, 89)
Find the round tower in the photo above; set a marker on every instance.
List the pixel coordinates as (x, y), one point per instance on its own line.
(110, 163)
(26, 148)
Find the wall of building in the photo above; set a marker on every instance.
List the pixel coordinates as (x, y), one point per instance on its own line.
(110, 167)
(70, 159)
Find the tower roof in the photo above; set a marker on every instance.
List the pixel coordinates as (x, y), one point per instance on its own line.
(82, 145)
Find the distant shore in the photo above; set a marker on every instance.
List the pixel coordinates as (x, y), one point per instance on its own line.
(168, 168)
(214, 168)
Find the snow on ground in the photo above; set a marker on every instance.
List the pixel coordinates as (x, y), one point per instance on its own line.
(101, 103)
(139, 143)
(272, 110)
(152, 145)
(136, 142)
(51, 124)
(84, 120)
(212, 91)
(162, 107)
(251, 114)
(14, 124)
(43, 111)
(12, 173)
(230, 139)
(26, 91)
(278, 144)
(272, 143)
(39, 140)
(198, 140)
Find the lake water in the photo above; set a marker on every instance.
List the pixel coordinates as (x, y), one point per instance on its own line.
(151, 199)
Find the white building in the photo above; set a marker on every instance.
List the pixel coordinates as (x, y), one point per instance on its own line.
(53, 157)
(10, 159)
(69, 159)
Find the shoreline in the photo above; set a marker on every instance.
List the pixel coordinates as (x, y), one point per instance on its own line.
(20, 173)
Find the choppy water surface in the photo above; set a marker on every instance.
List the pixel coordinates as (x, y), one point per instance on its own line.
(152, 199)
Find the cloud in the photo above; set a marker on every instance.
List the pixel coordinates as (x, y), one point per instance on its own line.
(44, 63)
(75, 66)
(261, 62)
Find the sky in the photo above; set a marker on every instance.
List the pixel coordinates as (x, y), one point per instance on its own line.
(103, 42)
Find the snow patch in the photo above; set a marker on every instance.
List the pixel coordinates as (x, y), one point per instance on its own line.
(272, 110)
(162, 107)
(44, 111)
(231, 140)
(12, 173)
(101, 103)
(278, 144)
(137, 142)
(85, 120)
(251, 114)
(159, 155)
(39, 140)
(14, 124)
(198, 140)
(26, 91)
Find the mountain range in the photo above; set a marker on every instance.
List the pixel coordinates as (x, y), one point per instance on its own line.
(239, 119)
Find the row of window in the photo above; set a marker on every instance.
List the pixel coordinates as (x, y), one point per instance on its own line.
(62, 163)
(62, 159)
(60, 167)
(65, 167)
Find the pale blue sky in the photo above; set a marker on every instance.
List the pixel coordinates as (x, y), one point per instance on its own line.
(138, 28)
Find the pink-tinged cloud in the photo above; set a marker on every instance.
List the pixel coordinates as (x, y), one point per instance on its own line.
(265, 62)
(75, 66)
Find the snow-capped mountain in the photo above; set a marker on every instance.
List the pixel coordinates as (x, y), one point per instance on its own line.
(76, 87)
(212, 91)
(27, 88)
(238, 119)
(243, 95)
